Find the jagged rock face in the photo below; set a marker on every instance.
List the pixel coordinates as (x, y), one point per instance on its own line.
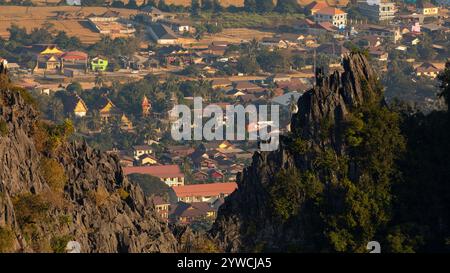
(118, 223)
(99, 207)
(332, 98)
(245, 217)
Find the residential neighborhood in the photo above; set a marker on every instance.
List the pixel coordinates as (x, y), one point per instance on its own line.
(119, 77)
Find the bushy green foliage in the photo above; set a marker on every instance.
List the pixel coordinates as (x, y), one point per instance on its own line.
(290, 189)
(421, 205)
(152, 185)
(361, 191)
(29, 209)
(346, 196)
(26, 96)
(251, 19)
(123, 194)
(53, 173)
(3, 128)
(6, 239)
(299, 146)
(274, 61)
(48, 137)
(354, 125)
(287, 6)
(404, 240)
(354, 221)
(59, 243)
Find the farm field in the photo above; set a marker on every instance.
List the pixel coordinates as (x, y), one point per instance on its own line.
(73, 23)
(225, 3)
(237, 35)
(230, 35)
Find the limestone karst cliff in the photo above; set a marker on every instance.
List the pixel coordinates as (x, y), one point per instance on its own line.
(53, 190)
(290, 199)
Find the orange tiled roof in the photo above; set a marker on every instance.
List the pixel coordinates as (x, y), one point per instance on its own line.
(211, 189)
(330, 11)
(75, 55)
(317, 5)
(161, 171)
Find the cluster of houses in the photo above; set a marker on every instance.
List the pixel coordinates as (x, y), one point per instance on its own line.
(202, 176)
(110, 23)
(165, 28)
(213, 166)
(199, 190)
(197, 202)
(75, 107)
(50, 59)
(385, 24)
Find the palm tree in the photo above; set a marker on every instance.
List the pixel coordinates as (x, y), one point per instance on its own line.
(99, 79)
(56, 109)
(251, 48)
(204, 87)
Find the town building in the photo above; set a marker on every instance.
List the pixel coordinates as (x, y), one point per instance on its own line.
(147, 160)
(74, 104)
(315, 6)
(162, 207)
(109, 23)
(125, 123)
(74, 60)
(334, 16)
(427, 69)
(99, 64)
(155, 14)
(178, 26)
(162, 34)
(383, 10)
(427, 9)
(186, 213)
(146, 106)
(47, 57)
(140, 150)
(391, 33)
(106, 109)
(204, 192)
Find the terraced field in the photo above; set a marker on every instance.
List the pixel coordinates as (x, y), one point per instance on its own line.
(69, 19)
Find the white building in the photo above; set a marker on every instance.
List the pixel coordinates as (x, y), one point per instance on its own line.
(140, 150)
(334, 16)
(379, 11)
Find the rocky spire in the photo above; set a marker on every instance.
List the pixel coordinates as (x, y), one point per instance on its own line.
(246, 215)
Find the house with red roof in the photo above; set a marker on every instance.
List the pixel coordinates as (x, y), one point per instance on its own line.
(162, 207)
(169, 174)
(74, 60)
(204, 192)
(315, 6)
(216, 175)
(335, 16)
(185, 213)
